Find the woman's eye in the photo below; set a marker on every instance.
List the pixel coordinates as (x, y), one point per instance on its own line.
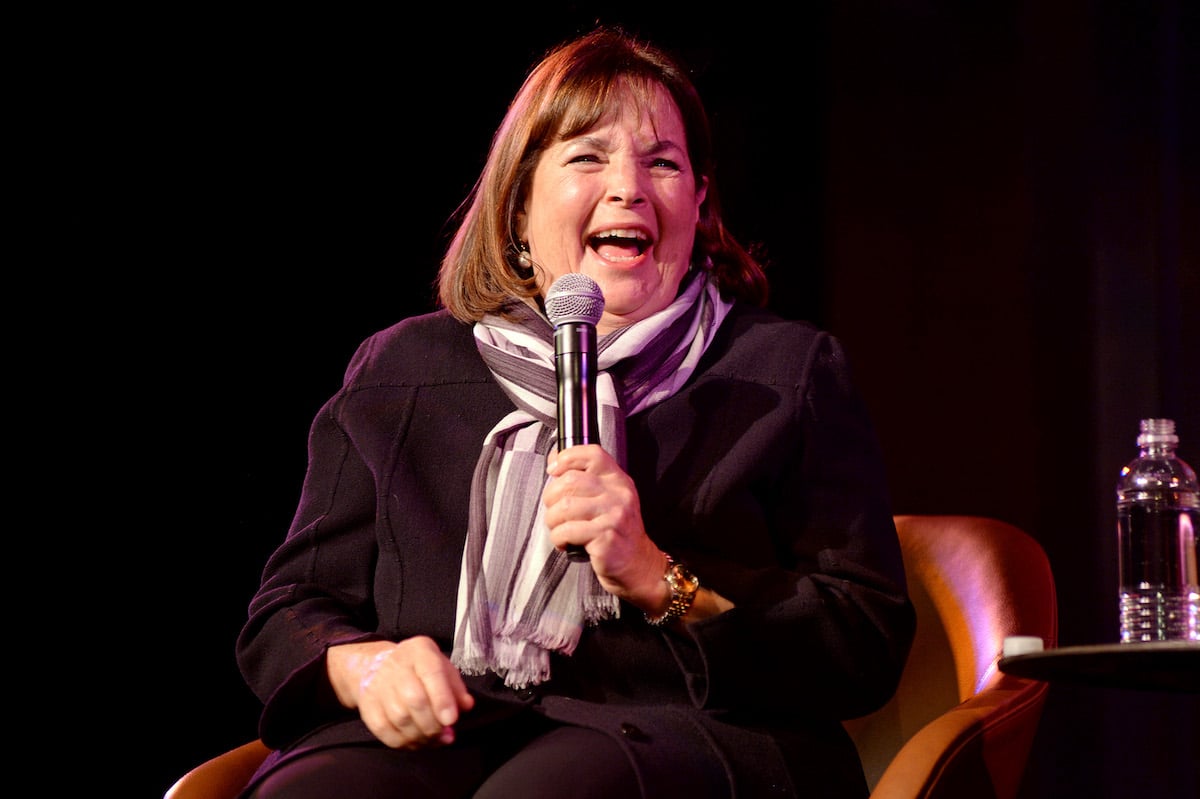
(665, 163)
(585, 158)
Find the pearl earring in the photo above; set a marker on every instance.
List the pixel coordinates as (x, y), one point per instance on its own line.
(523, 256)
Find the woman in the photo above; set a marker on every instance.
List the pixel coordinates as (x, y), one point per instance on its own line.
(422, 632)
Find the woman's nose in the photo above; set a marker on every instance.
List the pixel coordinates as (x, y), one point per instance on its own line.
(625, 185)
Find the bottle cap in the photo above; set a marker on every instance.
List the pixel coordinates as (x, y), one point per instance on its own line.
(1022, 645)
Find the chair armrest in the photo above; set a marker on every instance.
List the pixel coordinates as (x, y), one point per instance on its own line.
(978, 748)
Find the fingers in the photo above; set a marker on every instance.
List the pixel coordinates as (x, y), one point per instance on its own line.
(573, 501)
(445, 693)
(580, 472)
(591, 502)
(580, 457)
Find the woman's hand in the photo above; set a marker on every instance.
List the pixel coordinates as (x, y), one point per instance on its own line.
(592, 502)
(408, 694)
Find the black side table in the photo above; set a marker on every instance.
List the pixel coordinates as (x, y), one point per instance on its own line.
(1151, 665)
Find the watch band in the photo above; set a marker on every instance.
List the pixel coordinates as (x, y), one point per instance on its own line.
(684, 586)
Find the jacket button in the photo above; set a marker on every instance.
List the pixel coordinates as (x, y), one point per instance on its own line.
(632, 732)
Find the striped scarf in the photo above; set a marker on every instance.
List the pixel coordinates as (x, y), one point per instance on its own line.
(519, 598)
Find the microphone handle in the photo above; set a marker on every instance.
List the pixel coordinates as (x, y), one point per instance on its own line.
(575, 366)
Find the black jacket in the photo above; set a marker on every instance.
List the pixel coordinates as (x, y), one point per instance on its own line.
(763, 474)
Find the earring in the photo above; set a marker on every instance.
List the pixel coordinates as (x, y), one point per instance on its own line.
(523, 255)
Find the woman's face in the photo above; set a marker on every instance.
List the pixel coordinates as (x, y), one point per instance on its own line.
(620, 204)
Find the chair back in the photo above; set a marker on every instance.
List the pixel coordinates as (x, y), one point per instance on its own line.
(958, 726)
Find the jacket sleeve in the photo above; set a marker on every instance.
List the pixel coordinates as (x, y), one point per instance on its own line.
(824, 624)
(316, 588)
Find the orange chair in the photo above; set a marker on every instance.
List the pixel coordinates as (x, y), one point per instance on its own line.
(957, 726)
(222, 776)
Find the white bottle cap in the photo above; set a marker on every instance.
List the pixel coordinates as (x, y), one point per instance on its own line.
(1022, 645)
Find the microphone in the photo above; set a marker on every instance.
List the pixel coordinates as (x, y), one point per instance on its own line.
(574, 305)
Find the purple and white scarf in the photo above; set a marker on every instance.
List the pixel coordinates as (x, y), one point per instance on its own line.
(519, 598)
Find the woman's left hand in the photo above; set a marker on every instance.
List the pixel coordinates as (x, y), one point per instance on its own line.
(593, 503)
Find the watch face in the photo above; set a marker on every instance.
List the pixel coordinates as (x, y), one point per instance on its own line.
(683, 580)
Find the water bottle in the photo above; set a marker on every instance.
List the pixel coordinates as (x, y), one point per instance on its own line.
(1158, 512)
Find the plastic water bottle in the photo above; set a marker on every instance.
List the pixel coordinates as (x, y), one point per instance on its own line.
(1158, 514)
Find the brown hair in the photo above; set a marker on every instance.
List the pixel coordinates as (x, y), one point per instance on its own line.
(567, 93)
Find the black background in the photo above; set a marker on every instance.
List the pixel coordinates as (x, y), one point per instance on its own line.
(994, 205)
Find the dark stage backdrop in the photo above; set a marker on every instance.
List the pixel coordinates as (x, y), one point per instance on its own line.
(994, 205)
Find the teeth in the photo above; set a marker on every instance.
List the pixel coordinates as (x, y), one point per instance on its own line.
(622, 234)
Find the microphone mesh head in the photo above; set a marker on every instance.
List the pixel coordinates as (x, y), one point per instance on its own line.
(574, 298)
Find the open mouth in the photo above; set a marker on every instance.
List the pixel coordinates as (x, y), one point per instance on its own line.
(619, 244)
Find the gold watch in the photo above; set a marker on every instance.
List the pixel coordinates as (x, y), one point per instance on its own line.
(684, 586)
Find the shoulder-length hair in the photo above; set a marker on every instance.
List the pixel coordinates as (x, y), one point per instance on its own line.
(566, 94)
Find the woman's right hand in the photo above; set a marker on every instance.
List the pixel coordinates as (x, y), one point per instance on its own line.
(408, 694)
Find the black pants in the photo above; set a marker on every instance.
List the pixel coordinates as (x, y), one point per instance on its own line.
(534, 759)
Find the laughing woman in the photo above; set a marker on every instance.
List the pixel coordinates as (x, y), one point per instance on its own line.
(422, 632)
